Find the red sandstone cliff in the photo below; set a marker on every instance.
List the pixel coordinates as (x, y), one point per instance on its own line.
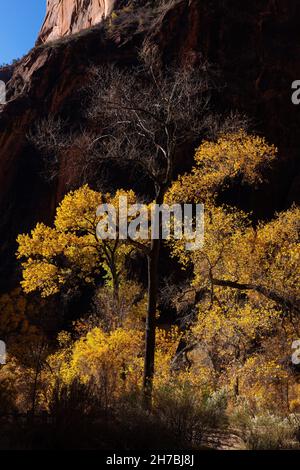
(65, 17)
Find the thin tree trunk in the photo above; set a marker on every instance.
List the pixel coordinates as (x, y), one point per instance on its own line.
(36, 377)
(153, 259)
(153, 265)
(115, 284)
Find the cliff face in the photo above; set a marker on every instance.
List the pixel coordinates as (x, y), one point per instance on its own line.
(65, 17)
(254, 44)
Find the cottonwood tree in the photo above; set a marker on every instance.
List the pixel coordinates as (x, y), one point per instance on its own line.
(246, 276)
(150, 117)
(247, 315)
(70, 253)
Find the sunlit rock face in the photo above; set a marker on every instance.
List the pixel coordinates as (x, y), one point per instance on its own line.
(65, 17)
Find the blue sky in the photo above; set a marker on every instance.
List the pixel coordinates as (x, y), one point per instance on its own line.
(20, 21)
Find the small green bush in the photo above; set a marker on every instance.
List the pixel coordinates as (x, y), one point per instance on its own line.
(189, 417)
(269, 432)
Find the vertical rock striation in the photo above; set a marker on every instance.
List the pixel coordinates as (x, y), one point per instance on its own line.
(65, 17)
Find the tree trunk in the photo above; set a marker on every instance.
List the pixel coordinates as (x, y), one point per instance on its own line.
(36, 377)
(115, 283)
(153, 264)
(153, 259)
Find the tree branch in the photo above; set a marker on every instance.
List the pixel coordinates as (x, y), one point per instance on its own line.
(266, 292)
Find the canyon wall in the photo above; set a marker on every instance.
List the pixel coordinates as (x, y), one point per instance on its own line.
(65, 17)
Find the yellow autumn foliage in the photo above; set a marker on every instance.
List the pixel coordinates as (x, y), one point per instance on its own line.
(70, 252)
(216, 163)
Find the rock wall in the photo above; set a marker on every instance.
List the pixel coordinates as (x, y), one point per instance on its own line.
(65, 17)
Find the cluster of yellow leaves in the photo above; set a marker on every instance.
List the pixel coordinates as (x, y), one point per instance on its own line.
(246, 343)
(266, 256)
(53, 257)
(230, 323)
(224, 228)
(113, 360)
(234, 154)
(265, 380)
(115, 353)
(77, 211)
(70, 251)
(230, 327)
(277, 254)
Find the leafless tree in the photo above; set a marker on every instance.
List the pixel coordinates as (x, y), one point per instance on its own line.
(150, 117)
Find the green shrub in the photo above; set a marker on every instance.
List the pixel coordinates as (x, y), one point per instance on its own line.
(267, 431)
(189, 416)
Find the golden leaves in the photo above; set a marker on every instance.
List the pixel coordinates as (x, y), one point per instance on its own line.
(217, 163)
(70, 251)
